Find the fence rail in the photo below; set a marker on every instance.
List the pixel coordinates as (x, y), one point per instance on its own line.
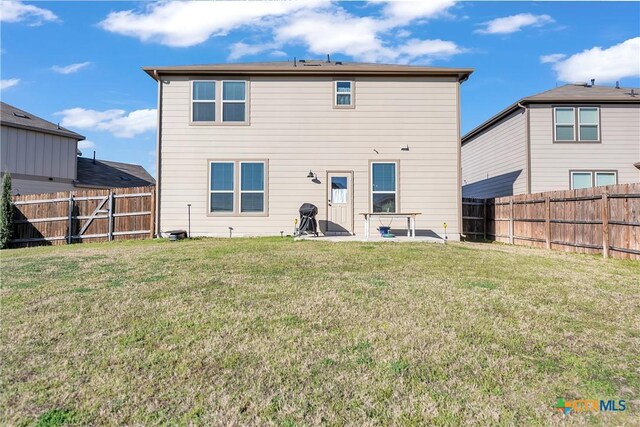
(84, 216)
(592, 220)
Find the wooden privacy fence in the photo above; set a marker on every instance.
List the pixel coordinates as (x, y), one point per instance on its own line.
(591, 220)
(84, 216)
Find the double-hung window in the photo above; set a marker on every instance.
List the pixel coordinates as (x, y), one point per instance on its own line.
(592, 178)
(234, 101)
(221, 187)
(203, 101)
(343, 94)
(580, 124)
(384, 186)
(252, 187)
(237, 187)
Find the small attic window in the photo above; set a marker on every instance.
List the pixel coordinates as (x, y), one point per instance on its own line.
(125, 178)
(21, 115)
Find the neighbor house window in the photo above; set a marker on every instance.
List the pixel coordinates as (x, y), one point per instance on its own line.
(384, 186)
(252, 187)
(237, 187)
(221, 187)
(234, 100)
(203, 101)
(576, 124)
(592, 178)
(343, 96)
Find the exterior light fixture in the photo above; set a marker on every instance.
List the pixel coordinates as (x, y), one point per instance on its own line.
(312, 175)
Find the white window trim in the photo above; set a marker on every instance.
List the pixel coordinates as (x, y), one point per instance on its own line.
(556, 124)
(351, 94)
(394, 192)
(597, 124)
(263, 192)
(233, 204)
(232, 101)
(594, 176)
(214, 101)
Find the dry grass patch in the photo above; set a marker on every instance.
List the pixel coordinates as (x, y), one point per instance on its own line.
(277, 332)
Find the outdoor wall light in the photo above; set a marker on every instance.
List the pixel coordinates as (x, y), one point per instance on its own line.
(405, 148)
(312, 175)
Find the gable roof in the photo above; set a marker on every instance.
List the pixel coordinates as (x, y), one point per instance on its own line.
(15, 117)
(309, 67)
(567, 94)
(108, 174)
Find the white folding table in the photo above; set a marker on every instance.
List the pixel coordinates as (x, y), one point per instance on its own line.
(410, 216)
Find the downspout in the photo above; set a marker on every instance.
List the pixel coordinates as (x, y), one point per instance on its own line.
(158, 155)
(527, 148)
(459, 164)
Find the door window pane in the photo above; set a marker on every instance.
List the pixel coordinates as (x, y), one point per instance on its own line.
(339, 190)
(252, 176)
(384, 202)
(384, 177)
(204, 91)
(252, 202)
(221, 176)
(233, 91)
(580, 180)
(605, 178)
(233, 112)
(204, 111)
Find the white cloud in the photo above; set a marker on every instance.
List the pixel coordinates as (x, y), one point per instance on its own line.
(552, 59)
(514, 23)
(184, 24)
(6, 84)
(321, 27)
(117, 122)
(86, 144)
(16, 11)
(604, 65)
(69, 69)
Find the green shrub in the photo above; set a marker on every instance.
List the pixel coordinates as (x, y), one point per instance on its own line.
(6, 212)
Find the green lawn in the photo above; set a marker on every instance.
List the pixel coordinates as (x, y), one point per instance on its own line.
(277, 332)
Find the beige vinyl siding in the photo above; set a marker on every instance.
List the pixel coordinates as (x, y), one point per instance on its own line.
(294, 126)
(619, 149)
(494, 162)
(37, 154)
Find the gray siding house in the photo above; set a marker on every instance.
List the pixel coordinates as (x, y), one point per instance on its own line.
(246, 144)
(570, 137)
(42, 157)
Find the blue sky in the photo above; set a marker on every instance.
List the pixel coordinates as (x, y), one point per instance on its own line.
(78, 63)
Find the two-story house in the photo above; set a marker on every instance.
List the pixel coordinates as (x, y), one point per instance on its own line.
(570, 137)
(246, 144)
(43, 157)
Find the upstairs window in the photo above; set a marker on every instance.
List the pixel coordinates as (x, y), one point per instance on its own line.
(581, 124)
(343, 96)
(234, 100)
(203, 101)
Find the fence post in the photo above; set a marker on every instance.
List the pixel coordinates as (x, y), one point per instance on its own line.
(152, 219)
(484, 222)
(605, 225)
(110, 232)
(511, 221)
(547, 221)
(70, 221)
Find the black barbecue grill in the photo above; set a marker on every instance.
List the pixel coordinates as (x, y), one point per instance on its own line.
(308, 223)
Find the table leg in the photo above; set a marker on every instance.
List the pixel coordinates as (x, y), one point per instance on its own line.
(366, 227)
(408, 226)
(413, 227)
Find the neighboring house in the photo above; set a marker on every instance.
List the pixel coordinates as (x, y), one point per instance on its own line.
(246, 144)
(570, 137)
(42, 157)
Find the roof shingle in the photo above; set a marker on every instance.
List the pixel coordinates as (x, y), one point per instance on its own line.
(15, 117)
